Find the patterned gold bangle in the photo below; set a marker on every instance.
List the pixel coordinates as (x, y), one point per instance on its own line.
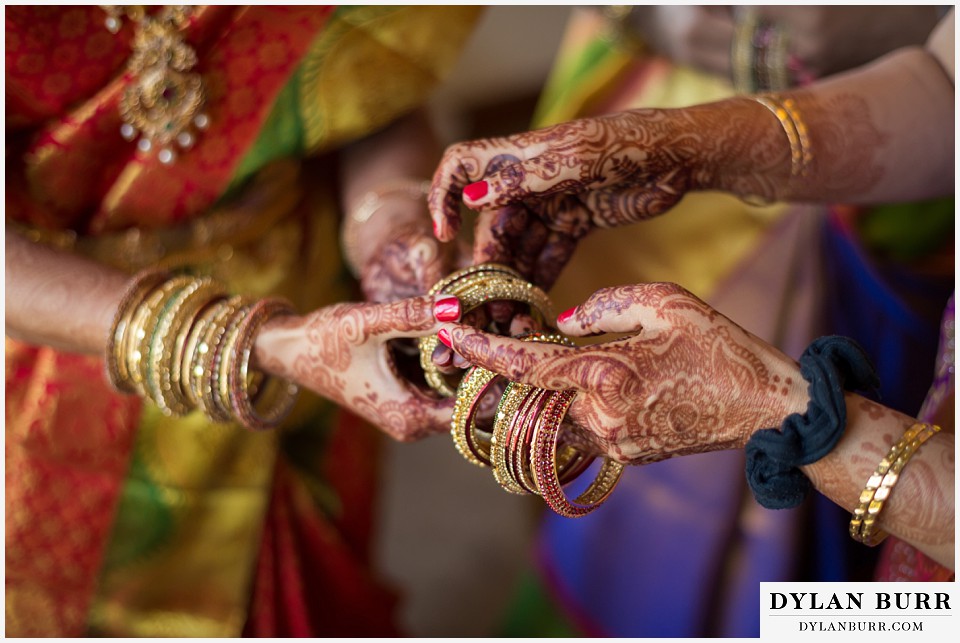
(544, 464)
(863, 522)
(166, 347)
(153, 328)
(115, 359)
(178, 396)
(190, 369)
(515, 396)
(475, 286)
(205, 376)
(475, 383)
(142, 326)
(241, 400)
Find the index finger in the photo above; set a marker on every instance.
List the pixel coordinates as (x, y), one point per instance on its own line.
(465, 163)
(534, 363)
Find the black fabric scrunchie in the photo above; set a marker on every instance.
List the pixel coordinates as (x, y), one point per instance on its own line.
(831, 365)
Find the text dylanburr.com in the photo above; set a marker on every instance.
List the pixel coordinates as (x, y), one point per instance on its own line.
(858, 610)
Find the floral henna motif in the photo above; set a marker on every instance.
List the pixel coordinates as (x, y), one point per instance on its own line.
(406, 266)
(341, 353)
(690, 381)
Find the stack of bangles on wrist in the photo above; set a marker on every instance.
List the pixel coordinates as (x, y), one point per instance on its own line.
(185, 344)
(526, 449)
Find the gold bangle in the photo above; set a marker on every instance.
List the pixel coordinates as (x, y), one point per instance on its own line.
(115, 359)
(240, 397)
(786, 122)
(190, 368)
(475, 286)
(142, 326)
(514, 398)
(803, 135)
(544, 464)
(863, 522)
(166, 349)
(475, 383)
(204, 376)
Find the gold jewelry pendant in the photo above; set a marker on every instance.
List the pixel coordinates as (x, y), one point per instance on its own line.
(162, 106)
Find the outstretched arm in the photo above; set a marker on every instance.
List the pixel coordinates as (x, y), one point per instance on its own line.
(688, 380)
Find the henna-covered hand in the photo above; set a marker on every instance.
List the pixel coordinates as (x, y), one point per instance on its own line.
(341, 353)
(689, 380)
(407, 265)
(540, 192)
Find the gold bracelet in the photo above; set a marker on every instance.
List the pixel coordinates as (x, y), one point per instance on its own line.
(803, 135)
(166, 348)
(514, 398)
(240, 396)
(204, 380)
(863, 523)
(475, 286)
(786, 122)
(115, 360)
(475, 383)
(190, 368)
(142, 325)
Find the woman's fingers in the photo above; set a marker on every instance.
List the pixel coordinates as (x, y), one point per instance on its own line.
(534, 363)
(621, 309)
(413, 317)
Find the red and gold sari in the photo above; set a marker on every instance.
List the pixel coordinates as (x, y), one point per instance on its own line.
(122, 521)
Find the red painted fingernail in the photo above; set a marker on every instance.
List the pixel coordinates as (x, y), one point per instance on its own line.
(447, 309)
(476, 190)
(444, 337)
(565, 315)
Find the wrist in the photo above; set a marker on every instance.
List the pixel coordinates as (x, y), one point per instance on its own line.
(744, 150)
(277, 345)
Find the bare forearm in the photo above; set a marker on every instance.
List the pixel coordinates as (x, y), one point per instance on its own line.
(58, 299)
(921, 508)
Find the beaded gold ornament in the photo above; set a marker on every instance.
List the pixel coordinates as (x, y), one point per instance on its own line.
(162, 107)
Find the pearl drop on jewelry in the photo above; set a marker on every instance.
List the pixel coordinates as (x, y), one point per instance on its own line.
(113, 25)
(165, 156)
(185, 139)
(127, 131)
(201, 121)
(144, 145)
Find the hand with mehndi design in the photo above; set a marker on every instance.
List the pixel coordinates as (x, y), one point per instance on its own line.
(341, 353)
(687, 381)
(540, 192)
(407, 265)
